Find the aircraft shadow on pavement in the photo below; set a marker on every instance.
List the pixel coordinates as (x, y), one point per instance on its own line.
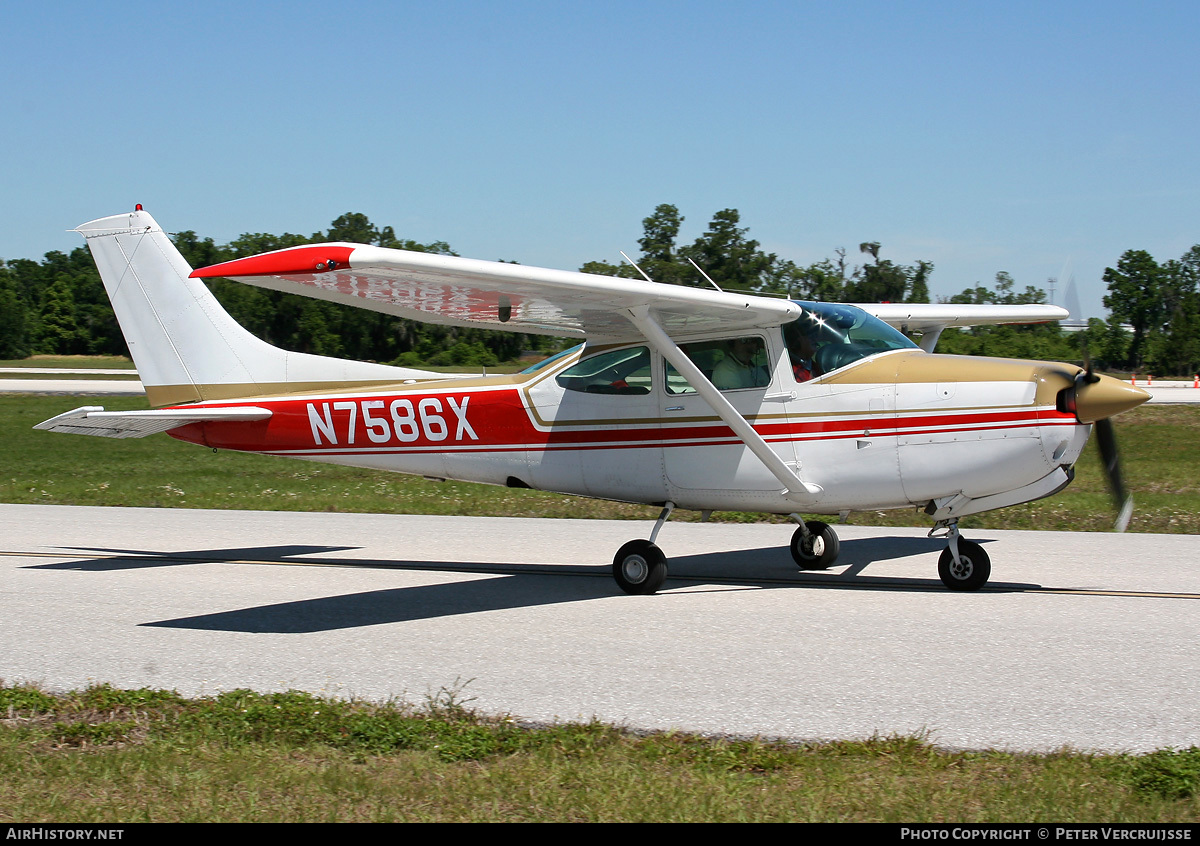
(133, 559)
(857, 553)
(524, 586)
(396, 605)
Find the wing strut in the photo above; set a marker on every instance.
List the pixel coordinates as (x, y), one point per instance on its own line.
(796, 488)
(930, 337)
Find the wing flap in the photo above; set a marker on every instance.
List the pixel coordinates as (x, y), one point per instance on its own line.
(94, 420)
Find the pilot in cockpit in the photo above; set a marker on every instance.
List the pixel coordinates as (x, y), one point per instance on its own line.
(800, 352)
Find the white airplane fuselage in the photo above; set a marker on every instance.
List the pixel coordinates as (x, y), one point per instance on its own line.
(899, 429)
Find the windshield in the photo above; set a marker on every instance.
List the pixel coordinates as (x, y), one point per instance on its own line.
(831, 335)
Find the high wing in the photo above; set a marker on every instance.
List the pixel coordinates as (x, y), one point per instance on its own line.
(94, 420)
(921, 317)
(469, 292)
(931, 319)
(458, 291)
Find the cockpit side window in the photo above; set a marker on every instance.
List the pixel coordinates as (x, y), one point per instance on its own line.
(828, 336)
(623, 371)
(731, 364)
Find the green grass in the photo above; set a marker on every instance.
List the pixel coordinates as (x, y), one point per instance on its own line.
(75, 362)
(1160, 445)
(103, 755)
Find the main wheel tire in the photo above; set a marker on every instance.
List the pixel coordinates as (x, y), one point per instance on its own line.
(819, 550)
(972, 570)
(640, 567)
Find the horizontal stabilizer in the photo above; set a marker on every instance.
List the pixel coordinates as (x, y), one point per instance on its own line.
(94, 420)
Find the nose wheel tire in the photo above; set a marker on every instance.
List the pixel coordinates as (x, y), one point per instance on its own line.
(640, 567)
(818, 550)
(970, 572)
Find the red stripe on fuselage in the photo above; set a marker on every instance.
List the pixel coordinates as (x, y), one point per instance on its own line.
(498, 420)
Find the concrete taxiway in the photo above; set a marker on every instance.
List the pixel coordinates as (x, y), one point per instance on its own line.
(1081, 640)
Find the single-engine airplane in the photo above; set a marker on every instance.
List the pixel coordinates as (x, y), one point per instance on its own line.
(678, 397)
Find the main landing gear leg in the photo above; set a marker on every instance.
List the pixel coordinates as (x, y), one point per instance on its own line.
(639, 566)
(963, 565)
(814, 545)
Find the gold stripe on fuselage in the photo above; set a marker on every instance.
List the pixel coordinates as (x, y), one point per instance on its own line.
(164, 395)
(917, 367)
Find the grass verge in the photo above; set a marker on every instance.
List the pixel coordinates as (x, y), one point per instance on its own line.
(104, 754)
(74, 362)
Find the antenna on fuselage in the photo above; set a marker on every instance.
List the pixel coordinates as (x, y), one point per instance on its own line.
(705, 275)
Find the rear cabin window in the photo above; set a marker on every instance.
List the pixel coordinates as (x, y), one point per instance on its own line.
(546, 362)
(623, 371)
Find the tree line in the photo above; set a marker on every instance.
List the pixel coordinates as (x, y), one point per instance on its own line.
(726, 255)
(1154, 309)
(58, 306)
(1161, 305)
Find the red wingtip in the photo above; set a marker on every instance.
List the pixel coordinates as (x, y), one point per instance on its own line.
(321, 258)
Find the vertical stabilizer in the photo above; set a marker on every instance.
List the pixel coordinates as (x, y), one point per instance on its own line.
(185, 346)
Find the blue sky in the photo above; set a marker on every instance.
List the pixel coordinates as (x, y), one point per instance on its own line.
(1038, 138)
